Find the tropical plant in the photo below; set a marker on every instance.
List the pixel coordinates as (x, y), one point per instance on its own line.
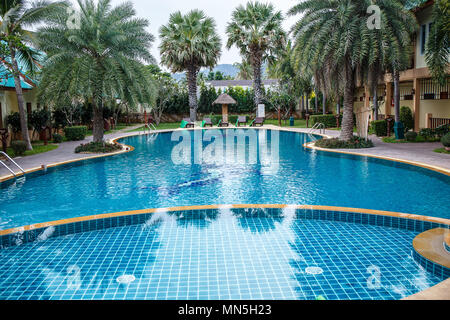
(15, 48)
(438, 46)
(97, 60)
(257, 32)
(245, 71)
(188, 43)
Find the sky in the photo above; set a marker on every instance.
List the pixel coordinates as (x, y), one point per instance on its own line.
(158, 12)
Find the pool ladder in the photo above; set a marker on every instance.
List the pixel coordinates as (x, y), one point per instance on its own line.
(318, 126)
(151, 127)
(13, 162)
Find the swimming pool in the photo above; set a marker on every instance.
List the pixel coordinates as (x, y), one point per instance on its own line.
(316, 246)
(148, 178)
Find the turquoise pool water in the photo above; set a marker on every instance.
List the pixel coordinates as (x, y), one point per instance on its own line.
(244, 254)
(148, 178)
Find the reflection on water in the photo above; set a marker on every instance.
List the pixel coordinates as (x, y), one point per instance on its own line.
(217, 254)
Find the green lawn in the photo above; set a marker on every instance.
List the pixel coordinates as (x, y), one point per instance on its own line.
(419, 139)
(38, 147)
(442, 150)
(161, 126)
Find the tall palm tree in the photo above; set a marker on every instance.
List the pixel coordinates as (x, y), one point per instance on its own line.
(188, 43)
(16, 16)
(98, 60)
(257, 32)
(438, 46)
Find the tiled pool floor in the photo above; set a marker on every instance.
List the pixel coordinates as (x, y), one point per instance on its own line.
(230, 257)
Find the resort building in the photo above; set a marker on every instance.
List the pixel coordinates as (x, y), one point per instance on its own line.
(428, 100)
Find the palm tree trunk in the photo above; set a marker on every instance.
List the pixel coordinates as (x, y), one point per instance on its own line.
(98, 127)
(307, 103)
(256, 62)
(20, 101)
(375, 100)
(324, 103)
(192, 86)
(347, 119)
(303, 104)
(316, 100)
(397, 95)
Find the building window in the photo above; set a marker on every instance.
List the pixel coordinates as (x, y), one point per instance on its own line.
(423, 39)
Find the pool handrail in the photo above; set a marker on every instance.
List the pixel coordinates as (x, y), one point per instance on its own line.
(13, 162)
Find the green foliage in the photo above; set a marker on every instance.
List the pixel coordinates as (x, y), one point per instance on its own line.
(407, 118)
(329, 120)
(335, 143)
(98, 147)
(13, 120)
(76, 133)
(411, 136)
(442, 130)
(446, 140)
(57, 138)
(427, 133)
(19, 147)
(380, 127)
(207, 96)
(39, 119)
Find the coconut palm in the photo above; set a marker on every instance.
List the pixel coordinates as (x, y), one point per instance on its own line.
(438, 46)
(257, 32)
(245, 71)
(188, 43)
(96, 60)
(16, 16)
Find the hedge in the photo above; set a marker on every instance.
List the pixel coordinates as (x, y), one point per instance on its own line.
(380, 128)
(19, 147)
(446, 140)
(329, 120)
(75, 133)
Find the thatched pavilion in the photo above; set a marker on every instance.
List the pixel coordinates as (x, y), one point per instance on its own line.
(225, 100)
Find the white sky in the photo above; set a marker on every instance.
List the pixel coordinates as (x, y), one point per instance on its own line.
(158, 12)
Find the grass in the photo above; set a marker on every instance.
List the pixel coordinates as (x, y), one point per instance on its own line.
(419, 139)
(38, 147)
(442, 150)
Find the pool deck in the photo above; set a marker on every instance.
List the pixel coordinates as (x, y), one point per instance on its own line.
(416, 152)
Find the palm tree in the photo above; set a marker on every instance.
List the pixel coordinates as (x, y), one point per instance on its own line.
(245, 70)
(438, 46)
(98, 60)
(257, 32)
(188, 43)
(16, 16)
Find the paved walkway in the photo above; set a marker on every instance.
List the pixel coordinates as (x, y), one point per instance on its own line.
(417, 152)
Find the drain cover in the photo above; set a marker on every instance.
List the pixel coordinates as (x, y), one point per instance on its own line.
(126, 279)
(314, 270)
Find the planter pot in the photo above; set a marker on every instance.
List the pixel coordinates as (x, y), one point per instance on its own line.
(447, 148)
(444, 95)
(408, 97)
(428, 96)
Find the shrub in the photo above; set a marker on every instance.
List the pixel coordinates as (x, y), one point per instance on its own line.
(329, 120)
(13, 120)
(354, 143)
(75, 133)
(98, 147)
(380, 128)
(19, 148)
(57, 138)
(427, 133)
(411, 136)
(39, 119)
(446, 140)
(442, 130)
(407, 118)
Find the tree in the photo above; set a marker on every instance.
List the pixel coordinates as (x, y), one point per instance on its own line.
(245, 71)
(17, 15)
(438, 46)
(188, 43)
(257, 32)
(98, 60)
(165, 90)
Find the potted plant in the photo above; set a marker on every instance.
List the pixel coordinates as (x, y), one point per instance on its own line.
(446, 141)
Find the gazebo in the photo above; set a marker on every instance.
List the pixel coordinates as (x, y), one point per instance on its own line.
(224, 100)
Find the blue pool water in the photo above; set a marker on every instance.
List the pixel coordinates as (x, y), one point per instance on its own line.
(148, 178)
(223, 255)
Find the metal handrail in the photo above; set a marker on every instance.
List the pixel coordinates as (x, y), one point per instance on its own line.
(318, 126)
(12, 161)
(147, 126)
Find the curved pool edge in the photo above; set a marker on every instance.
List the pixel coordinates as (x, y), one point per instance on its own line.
(309, 145)
(424, 224)
(431, 253)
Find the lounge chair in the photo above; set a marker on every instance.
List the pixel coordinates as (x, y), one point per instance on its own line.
(223, 124)
(241, 120)
(186, 123)
(257, 122)
(207, 122)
